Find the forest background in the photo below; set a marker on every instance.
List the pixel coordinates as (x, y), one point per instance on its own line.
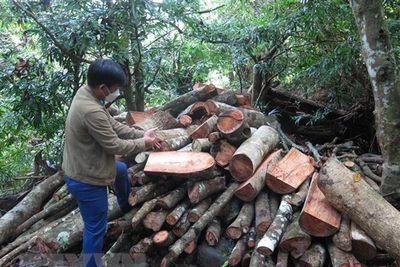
(308, 48)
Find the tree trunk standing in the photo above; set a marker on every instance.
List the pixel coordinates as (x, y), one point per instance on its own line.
(362, 204)
(127, 90)
(380, 60)
(137, 16)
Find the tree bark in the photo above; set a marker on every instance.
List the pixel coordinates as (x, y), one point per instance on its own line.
(203, 189)
(177, 213)
(182, 225)
(242, 222)
(314, 257)
(381, 62)
(142, 212)
(248, 190)
(362, 246)
(271, 238)
(341, 238)
(263, 213)
(29, 206)
(172, 198)
(361, 204)
(154, 220)
(213, 232)
(295, 241)
(340, 258)
(161, 120)
(250, 154)
(177, 248)
(238, 251)
(178, 104)
(205, 128)
(195, 213)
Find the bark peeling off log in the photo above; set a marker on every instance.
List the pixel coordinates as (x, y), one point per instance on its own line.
(362, 204)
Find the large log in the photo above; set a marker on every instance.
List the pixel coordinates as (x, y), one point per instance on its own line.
(178, 104)
(362, 204)
(248, 190)
(30, 205)
(271, 238)
(161, 120)
(233, 126)
(185, 165)
(289, 173)
(318, 217)
(250, 154)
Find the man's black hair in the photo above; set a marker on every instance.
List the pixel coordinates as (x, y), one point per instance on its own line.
(105, 71)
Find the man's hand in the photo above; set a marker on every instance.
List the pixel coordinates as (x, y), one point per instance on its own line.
(151, 140)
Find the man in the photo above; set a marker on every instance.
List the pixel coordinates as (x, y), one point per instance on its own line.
(92, 139)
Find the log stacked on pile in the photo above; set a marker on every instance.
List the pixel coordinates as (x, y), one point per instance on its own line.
(225, 172)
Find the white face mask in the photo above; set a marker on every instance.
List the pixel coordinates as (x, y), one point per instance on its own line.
(112, 96)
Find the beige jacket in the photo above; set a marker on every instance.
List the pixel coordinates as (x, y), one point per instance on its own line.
(93, 138)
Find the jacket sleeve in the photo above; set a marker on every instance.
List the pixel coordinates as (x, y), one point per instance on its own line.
(124, 131)
(101, 129)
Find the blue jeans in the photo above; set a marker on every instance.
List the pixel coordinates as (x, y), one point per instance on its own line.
(93, 205)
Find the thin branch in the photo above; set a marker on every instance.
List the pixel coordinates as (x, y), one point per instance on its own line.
(48, 32)
(146, 88)
(210, 10)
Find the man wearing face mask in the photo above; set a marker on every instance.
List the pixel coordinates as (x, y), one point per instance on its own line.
(92, 139)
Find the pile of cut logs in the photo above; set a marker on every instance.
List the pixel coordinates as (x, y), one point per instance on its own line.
(225, 172)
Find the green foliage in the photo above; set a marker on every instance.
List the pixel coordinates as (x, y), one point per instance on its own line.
(310, 47)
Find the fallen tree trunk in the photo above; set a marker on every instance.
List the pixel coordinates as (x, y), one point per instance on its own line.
(362, 204)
